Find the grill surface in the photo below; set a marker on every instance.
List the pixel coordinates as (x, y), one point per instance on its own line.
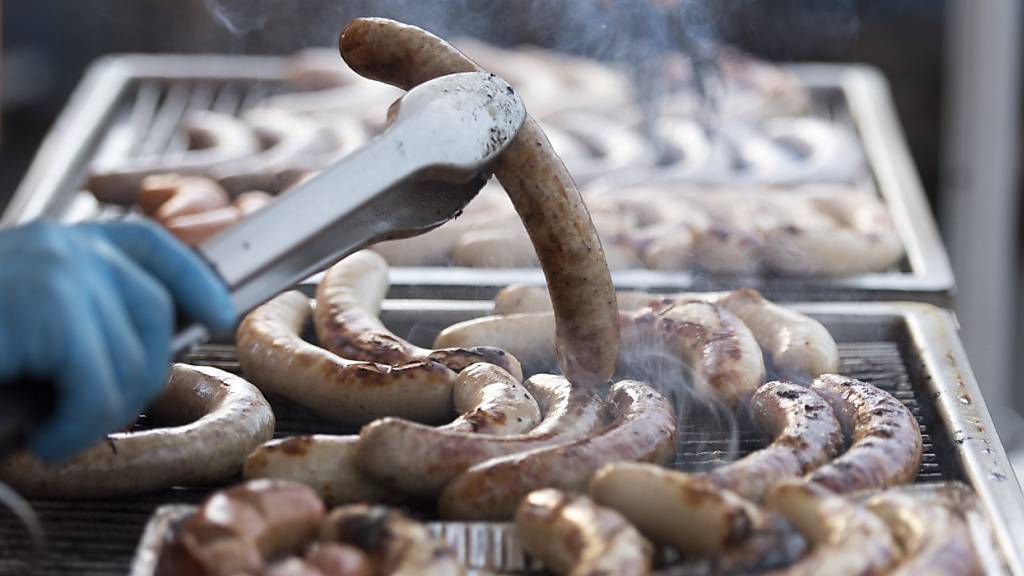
(99, 537)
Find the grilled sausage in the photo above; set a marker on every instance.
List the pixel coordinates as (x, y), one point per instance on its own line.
(236, 530)
(644, 430)
(491, 401)
(225, 419)
(323, 462)
(845, 538)
(249, 202)
(712, 526)
(217, 139)
(853, 235)
(194, 229)
(797, 347)
(709, 340)
(805, 435)
(288, 138)
(278, 360)
(885, 440)
(934, 540)
(334, 559)
(169, 196)
(573, 535)
(540, 188)
(433, 456)
(348, 302)
(397, 545)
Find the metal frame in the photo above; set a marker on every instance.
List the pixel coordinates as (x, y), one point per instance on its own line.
(50, 188)
(927, 337)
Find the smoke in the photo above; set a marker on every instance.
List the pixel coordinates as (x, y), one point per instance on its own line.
(237, 17)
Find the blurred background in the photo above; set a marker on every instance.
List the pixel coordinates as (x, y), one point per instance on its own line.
(953, 67)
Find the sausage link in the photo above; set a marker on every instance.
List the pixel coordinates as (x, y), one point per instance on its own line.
(885, 440)
(573, 535)
(644, 430)
(933, 538)
(228, 418)
(539, 186)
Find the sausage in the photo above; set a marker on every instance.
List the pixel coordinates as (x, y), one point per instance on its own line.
(502, 247)
(325, 463)
(845, 538)
(805, 435)
(292, 566)
(396, 545)
(644, 429)
(796, 346)
(433, 456)
(710, 341)
(885, 440)
(348, 303)
(236, 530)
(226, 419)
(216, 138)
(855, 236)
(540, 188)
(573, 535)
(288, 139)
(169, 196)
(491, 401)
(334, 559)
(933, 538)
(194, 229)
(279, 361)
(710, 525)
(249, 202)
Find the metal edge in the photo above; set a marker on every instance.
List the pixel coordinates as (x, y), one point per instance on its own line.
(66, 147)
(63, 154)
(959, 402)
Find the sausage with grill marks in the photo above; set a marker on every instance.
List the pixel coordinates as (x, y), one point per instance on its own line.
(805, 435)
(542, 191)
(431, 457)
(573, 535)
(346, 321)
(644, 430)
(885, 440)
(397, 545)
(933, 538)
(719, 531)
(272, 352)
(219, 419)
(710, 341)
(846, 539)
(797, 346)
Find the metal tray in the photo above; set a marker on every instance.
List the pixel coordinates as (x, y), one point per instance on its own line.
(98, 118)
(912, 350)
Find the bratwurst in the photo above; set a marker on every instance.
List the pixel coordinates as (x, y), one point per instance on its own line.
(539, 186)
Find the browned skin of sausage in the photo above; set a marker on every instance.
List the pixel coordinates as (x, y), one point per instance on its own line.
(214, 420)
(573, 535)
(644, 430)
(237, 529)
(348, 300)
(539, 186)
(397, 545)
(806, 435)
(334, 559)
(430, 457)
(885, 440)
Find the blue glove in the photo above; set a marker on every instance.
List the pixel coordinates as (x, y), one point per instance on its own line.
(91, 308)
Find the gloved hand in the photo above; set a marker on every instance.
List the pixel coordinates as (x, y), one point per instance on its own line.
(91, 308)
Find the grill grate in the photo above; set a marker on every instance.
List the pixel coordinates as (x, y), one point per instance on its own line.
(99, 537)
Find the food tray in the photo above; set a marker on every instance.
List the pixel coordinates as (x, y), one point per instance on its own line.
(912, 350)
(98, 120)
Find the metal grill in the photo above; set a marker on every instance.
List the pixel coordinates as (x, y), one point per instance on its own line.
(99, 537)
(130, 105)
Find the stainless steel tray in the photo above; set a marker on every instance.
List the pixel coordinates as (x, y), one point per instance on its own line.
(912, 350)
(98, 116)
